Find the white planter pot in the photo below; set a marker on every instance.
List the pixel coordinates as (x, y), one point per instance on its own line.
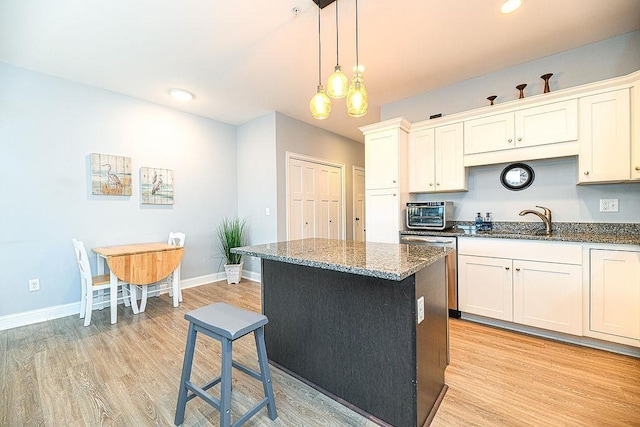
(234, 272)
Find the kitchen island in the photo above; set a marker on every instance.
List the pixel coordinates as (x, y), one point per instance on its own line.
(364, 323)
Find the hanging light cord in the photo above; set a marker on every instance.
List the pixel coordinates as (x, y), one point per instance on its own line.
(319, 51)
(357, 61)
(337, 43)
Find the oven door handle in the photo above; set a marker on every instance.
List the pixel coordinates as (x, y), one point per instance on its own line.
(423, 240)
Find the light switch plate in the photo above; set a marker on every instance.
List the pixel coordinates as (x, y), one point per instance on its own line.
(420, 309)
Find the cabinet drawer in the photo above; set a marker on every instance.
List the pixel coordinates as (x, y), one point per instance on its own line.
(532, 250)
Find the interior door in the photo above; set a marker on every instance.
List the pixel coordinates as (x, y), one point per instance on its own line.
(358, 205)
(315, 198)
(329, 195)
(302, 199)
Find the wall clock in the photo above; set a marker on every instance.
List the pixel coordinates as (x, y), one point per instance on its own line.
(517, 176)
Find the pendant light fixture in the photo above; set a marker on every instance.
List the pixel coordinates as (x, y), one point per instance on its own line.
(338, 82)
(357, 98)
(320, 104)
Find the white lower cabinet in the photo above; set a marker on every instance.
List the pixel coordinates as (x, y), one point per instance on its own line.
(485, 286)
(614, 293)
(548, 295)
(384, 215)
(521, 282)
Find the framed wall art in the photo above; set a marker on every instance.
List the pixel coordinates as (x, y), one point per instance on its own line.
(110, 175)
(156, 186)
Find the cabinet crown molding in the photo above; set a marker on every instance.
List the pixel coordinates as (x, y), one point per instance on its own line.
(626, 81)
(397, 123)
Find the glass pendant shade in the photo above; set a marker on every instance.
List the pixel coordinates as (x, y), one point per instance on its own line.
(338, 84)
(357, 98)
(320, 104)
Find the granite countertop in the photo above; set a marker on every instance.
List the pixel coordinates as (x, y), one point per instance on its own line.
(613, 233)
(383, 260)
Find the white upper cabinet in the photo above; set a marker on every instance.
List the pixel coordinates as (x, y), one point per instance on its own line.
(421, 160)
(436, 159)
(605, 138)
(529, 127)
(490, 133)
(547, 124)
(386, 180)
(635, 138)
(381, 151)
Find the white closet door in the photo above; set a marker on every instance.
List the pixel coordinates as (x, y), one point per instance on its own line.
(315, 200)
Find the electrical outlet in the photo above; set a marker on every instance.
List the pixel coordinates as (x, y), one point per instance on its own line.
(34, 285)
(608, 205)
(420, 304)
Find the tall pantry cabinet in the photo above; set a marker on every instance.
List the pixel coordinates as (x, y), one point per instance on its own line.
(386, 180)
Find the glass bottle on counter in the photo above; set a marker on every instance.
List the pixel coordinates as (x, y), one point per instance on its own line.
(479, 222)
(487, 224)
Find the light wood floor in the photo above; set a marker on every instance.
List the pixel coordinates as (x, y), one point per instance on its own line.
(61, 373)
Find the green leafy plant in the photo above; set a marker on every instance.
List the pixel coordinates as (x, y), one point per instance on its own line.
(232, 234)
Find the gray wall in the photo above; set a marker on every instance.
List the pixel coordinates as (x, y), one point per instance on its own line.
(257, 183)
(48, 128)
(301, 138)
(555, 184)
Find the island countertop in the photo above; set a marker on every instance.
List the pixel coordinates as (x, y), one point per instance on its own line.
(383, 260)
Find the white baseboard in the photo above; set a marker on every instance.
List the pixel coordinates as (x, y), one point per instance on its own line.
(252, 275)
(54, 312)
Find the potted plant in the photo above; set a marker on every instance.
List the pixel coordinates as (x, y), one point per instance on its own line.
(232, 234)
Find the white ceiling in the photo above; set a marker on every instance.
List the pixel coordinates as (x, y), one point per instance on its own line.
(245, 58)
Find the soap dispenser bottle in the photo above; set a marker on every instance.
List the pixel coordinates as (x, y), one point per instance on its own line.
(479, 222)
(488, 225)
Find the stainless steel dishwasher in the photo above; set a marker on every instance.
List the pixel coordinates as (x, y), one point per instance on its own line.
(451, 261)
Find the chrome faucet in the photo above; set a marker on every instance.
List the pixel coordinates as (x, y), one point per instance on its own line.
(545, 217)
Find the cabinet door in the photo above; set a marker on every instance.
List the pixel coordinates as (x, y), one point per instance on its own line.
(383, 221)
(485, 286)
(421, 161)
(381, 159)
(605, 137)
(487, 134)
(635, 135)
(548, 295)
(450, 173)
(615, 293)
(547, 124)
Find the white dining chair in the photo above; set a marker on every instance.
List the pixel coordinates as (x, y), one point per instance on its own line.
(91, 284)
(175, 239)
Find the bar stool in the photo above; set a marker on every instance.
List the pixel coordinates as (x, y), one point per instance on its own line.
(225, 323)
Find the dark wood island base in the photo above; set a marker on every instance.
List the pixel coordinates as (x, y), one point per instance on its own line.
(355, 338)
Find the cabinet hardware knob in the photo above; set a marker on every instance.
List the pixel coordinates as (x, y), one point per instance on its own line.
(357, 219)
(586, 172)
(306, 223)
(638, 168)
(437, 183)
(519, 139)
(431, 184)
(394, 181)
(507, 268)
(509, 140)
(517, 269)
(394, 194)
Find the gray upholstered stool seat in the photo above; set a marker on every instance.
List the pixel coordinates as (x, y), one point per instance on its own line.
(225, 323)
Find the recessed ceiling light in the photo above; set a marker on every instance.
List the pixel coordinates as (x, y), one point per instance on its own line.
(181, 95)
(510, 5)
